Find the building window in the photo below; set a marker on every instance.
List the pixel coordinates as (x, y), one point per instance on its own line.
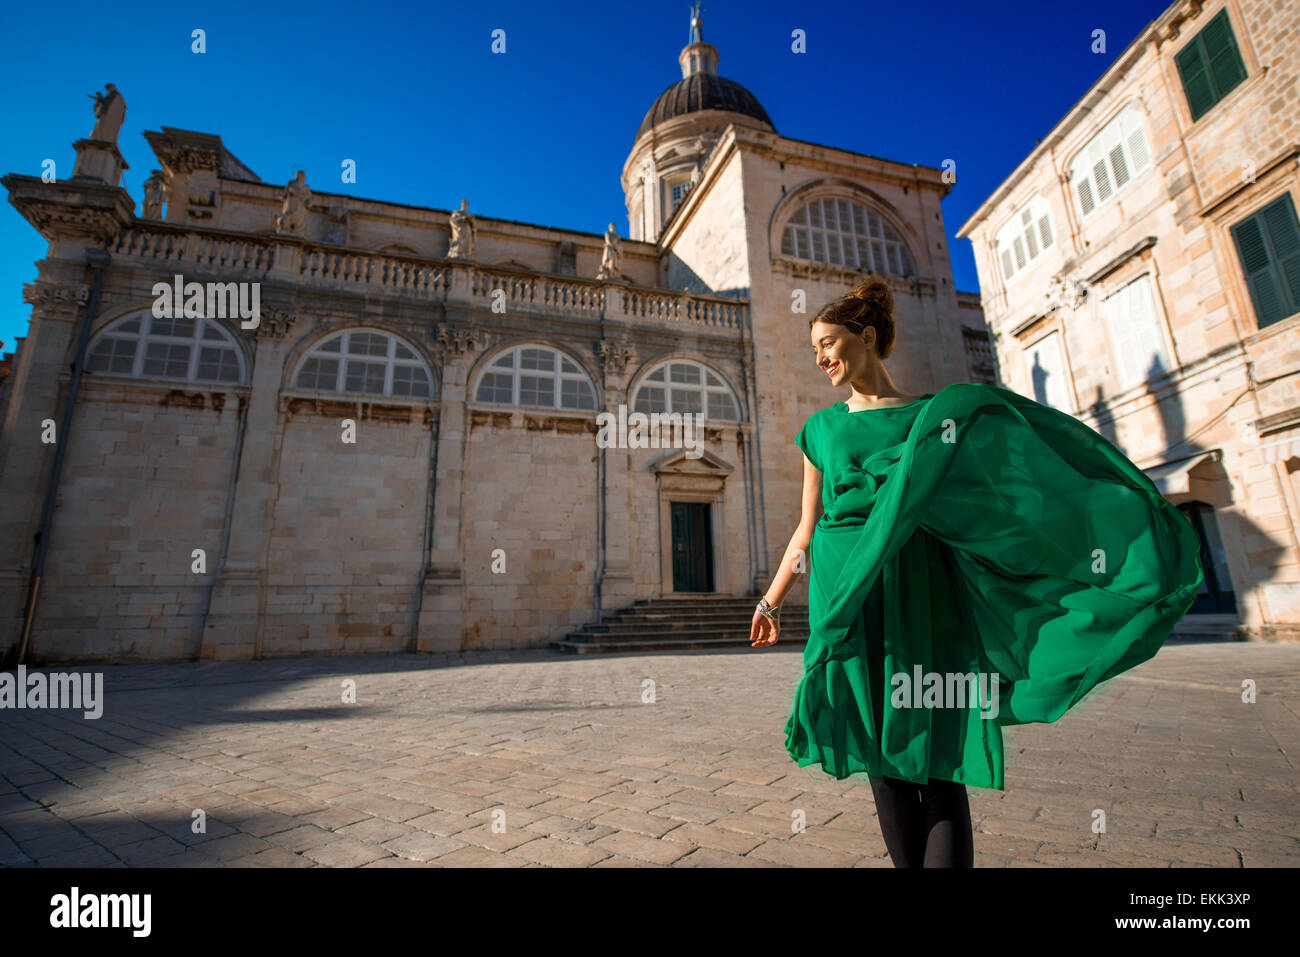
(365, 362)
(1268, 244)
(189, 349)
(1112, 159)
(538, 377)
(1135, 333)
(846, 233)
(1025, 237)
(680, 190)
(1046, 368)
(1210, 66)
(684, 386)
(979, 355)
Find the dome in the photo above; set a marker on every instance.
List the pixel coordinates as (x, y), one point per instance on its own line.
(704, 91)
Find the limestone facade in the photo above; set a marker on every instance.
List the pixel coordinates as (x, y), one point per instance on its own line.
(1140, 269)
(226, 492)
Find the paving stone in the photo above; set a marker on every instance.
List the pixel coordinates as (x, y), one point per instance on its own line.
(345, 853)
(642, 848)
(373, 831)
(301, 838)
(421, 846)
(557, 853)
(1185, 775)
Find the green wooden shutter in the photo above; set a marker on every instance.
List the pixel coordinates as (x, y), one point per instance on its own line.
(1284, 236)
(1226, 68)
(1195, 77)
(1268, 243)
(1210, 66)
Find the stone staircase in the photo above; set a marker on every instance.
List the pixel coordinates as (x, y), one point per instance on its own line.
(680, 622)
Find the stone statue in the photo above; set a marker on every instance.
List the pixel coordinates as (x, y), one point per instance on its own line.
(292, 217)
(611, 261)
(155, 194)
(462, 232)
(110, 111)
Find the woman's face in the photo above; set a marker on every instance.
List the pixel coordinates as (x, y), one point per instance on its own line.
(840, 354)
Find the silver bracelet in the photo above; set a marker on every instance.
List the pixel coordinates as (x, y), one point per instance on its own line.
(771, 612)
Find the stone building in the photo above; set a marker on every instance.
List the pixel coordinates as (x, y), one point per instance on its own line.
(402, 451)
(1140, 269)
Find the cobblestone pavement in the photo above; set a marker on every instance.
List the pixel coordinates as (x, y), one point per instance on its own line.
(537, 758)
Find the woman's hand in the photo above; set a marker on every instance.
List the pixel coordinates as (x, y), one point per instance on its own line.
(763, 631)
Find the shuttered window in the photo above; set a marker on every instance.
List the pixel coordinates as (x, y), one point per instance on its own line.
(1025, 237)
(1111, 160)
(1045, 368)
(1210, 66)
(1135, 333)
(1268, 244)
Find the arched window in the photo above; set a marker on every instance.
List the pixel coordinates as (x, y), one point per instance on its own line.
(366, 362)
(536, 376)
(1110, 160)
(680, 385)
(831, 229)
(189, 349)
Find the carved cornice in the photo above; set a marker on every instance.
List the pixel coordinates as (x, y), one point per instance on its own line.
(614, 356)
(275, 323)
(1175, 25)
(179, 158)
(71, 208)
(36, 293)
(450, 340)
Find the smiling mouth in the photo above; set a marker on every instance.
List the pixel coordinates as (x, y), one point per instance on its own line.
(830, 369)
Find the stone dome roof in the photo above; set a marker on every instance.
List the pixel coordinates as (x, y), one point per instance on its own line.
(704, 91)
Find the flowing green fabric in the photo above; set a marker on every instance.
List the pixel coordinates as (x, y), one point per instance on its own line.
(973, 532)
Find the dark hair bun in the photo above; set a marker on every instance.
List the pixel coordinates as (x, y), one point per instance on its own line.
(869, 303)
(877, 293)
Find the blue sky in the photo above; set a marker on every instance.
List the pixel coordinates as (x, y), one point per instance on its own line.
(414, 94)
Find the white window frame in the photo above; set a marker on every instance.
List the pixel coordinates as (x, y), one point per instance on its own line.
(1050, 346)
(144, 336)
(867, 230)
(1135, 330)
(1121, 148)
(1024, 238)
(390, 359)
(711, 383)
(558, 373)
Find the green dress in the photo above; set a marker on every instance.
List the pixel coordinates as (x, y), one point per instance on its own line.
(982, 560)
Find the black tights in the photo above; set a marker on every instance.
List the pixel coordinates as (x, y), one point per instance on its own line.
(924, 825)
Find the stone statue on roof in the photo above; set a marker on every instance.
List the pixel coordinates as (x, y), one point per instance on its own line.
(611, 261)
(292, 217)
(462, 232)
(110, 111)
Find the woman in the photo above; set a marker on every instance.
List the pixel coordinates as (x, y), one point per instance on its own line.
(977, 560)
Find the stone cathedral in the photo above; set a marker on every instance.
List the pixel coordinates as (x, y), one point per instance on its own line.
(363, 426)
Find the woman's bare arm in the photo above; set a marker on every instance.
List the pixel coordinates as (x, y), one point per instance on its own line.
(795, 562)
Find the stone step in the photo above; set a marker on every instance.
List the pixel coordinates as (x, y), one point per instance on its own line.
(663, 644)
(677, 620)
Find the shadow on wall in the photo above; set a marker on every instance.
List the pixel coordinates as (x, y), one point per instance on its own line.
(682, 278)
(1202, 491)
